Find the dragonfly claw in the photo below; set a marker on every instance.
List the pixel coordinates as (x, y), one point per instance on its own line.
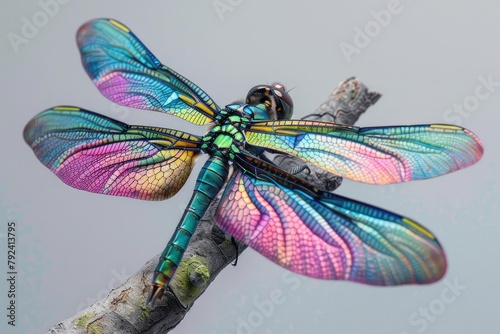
(155, 293)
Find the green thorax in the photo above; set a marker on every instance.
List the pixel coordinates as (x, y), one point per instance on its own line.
(226, 136)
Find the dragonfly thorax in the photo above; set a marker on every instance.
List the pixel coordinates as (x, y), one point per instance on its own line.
(264, 103)
(226, 136)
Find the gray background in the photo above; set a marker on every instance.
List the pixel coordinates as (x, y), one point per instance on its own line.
(73, 246)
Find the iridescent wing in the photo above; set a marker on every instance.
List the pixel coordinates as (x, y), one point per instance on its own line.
(323, 235)
(95, 153)
(126, 72)
(376, 155)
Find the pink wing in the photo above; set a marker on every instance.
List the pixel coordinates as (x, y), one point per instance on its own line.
(95, 153)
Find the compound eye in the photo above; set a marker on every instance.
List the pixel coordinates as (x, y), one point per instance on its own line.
(256, 93)
(278, 102)
(284, 101)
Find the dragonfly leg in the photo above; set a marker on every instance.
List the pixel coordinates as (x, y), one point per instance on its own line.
(233, 240)
(208, 184)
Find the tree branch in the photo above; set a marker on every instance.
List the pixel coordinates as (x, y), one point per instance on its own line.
(210, 249)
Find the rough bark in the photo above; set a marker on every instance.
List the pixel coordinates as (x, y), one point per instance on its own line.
(210, 249)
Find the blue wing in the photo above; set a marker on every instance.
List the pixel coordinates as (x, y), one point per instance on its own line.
(127, 73)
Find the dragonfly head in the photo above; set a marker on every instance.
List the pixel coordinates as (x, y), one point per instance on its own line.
(279, 104)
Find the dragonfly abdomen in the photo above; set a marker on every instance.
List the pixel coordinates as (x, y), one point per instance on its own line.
(212, 177)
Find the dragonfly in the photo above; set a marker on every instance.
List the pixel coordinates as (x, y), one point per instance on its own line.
(291, 222)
